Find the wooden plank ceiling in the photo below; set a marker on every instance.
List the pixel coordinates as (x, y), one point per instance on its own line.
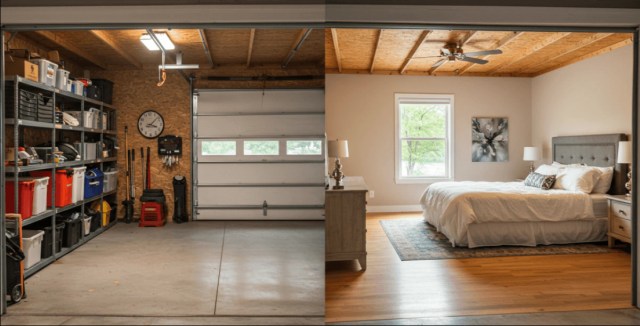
(235, 51)
(414, 52)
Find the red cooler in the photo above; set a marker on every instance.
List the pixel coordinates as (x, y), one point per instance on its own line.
(25, 198)
(64, 184)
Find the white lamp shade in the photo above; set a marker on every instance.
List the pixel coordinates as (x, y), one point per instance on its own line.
(531, 154)
(624, 152)
(338, 148)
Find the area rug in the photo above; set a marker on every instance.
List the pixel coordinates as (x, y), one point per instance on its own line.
(415, 239)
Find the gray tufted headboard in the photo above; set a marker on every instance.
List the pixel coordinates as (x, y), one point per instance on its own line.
(594, 150)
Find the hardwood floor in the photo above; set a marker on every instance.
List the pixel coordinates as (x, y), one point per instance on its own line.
(392, 289)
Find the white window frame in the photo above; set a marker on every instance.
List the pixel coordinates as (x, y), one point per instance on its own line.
(449, 157)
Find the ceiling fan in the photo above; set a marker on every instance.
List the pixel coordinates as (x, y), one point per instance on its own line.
(453, 52)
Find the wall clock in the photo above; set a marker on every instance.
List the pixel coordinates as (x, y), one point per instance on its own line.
(150, 124)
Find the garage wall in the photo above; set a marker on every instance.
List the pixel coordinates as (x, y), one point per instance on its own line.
(21, 42)
(134, 92)
(586, 98)
(361, 109)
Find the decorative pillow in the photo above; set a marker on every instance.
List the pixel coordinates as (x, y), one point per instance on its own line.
(540, 180)
(575, 178)
(547, 169)
(604, 183)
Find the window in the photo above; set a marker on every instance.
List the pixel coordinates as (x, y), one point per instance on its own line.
(424, 138)
(304, 147)
(261, 147)
(219, 147)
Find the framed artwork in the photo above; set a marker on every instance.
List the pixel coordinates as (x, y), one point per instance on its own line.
(489, 139)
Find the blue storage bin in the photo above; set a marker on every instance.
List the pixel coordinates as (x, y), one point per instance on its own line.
(93, 183)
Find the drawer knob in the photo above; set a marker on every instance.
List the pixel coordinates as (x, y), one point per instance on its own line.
(620, 227)
(621, 212)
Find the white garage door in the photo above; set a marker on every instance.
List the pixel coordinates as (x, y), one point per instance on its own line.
(259, 154)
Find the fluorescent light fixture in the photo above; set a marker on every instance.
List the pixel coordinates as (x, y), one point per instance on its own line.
(162, 37)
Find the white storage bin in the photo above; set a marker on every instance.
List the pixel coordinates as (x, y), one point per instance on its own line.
(68, 86)
(32, 246)
(39, 194)
(62, 76)
(110, 181)
(90, 150)
(88, 118)
(46, 71)
(77, 87)
(77, 188)
(86, 223)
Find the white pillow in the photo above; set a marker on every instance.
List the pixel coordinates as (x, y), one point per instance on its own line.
(547, 169)
(604, 182)
(575, 178)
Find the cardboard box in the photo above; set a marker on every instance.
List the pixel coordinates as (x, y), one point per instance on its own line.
(21, 67)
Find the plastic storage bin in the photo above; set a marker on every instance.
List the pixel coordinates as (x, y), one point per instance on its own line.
(46, 71)
(110, 181)
(31, 246)
(87, 118)
(96, 220)
(78, 184)
(39, 194)
(64, 185)
(93, 183)
(25, 197)
(104, 90)
(72, 232)
(114, 212)
(47, 240)
(105, 211)
(62, 76)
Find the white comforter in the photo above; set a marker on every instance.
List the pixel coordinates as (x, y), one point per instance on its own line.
(452, 206)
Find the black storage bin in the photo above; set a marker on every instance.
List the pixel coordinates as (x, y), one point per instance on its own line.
(14, 256)
(45, 108)
(105, 89)
(113, 215)
(72, 232)
(96, 220)
(94, 92)
(47, 240)
(27, 104)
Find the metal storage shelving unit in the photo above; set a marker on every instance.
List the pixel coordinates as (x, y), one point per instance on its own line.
(62, 99)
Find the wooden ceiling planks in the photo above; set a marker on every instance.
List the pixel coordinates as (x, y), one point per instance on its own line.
(311, 52)
(73, 44)
(524, 54)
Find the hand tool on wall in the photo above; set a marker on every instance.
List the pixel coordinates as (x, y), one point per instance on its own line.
(148, 167)
(126, 203)
(133, 175)
(144, 179)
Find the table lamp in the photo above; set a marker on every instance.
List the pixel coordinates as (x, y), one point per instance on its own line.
(625, 154)
(531, 154)
(338, 149)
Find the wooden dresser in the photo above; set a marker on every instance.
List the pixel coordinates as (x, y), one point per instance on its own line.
(345, 224)
(619, 219)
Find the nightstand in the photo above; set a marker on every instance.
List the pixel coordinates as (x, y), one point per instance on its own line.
(619, 219)
(345, 223)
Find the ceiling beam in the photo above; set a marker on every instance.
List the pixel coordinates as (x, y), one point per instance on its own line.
(252, 36)
(512, 36)
(205, 46)
(574, 47)
(555, 37)
(462, 43)
(112, 43)
(418, 73)
(72, 48)
(375, 51)
(413, 51)
(336, 47)
(600, 51)
(297, 44)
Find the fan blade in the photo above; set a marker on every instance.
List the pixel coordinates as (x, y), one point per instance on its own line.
(479, 53)
(429, 57)
(474, 60)
(439, 63)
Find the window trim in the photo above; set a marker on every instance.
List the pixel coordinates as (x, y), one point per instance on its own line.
(449, 158)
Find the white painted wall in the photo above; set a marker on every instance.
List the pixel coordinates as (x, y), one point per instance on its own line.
(589, 97)
(360, 108)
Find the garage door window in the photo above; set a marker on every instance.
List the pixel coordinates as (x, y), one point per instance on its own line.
(304, 147)
(218, 147)
(261, 147)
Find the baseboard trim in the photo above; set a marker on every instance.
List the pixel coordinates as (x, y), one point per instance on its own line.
(394, 209)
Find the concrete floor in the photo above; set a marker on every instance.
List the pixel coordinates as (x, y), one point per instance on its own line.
(199, 269)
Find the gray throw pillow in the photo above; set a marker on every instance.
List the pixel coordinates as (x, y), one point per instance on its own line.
(540, 180)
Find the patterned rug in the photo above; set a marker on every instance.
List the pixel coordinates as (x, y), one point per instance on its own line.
(415, 239)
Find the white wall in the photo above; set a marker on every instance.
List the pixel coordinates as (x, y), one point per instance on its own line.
(586, 98)
(360, 108)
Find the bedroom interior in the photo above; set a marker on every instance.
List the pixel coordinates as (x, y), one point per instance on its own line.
(549, 87)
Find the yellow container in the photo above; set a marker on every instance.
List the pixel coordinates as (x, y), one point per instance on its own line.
(106, 211)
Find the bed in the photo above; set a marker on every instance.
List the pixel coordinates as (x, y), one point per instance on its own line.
(478, 214)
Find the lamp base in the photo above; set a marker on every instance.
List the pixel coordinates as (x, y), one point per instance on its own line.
(628, 184)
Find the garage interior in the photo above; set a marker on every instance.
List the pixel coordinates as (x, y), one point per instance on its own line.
(262, 258)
